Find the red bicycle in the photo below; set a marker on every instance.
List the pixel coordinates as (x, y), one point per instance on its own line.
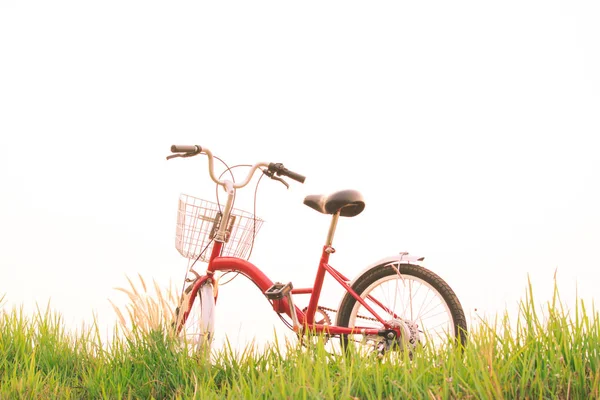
(394, 304)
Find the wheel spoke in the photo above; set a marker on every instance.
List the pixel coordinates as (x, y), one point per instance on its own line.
(433, 297)
(438, 325)
(431, 316)
(395, 297)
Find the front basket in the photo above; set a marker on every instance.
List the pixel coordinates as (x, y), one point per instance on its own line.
(198, 221)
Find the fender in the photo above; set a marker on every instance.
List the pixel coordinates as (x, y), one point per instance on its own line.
(402, 258)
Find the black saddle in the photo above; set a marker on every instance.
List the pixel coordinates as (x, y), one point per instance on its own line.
(348, 202)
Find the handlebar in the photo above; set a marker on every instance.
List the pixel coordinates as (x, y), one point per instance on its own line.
(186, 149)
(272, 168)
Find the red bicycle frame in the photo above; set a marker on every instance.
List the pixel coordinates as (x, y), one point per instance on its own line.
(306, 320)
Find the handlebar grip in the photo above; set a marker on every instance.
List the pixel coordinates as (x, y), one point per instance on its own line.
(185, 148)
(279, 169)
(294, 176)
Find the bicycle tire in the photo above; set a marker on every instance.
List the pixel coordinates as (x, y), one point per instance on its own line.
(406, 274)
(196, 331)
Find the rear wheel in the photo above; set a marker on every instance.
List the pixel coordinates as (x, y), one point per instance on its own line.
(196, 328)
(409, 298)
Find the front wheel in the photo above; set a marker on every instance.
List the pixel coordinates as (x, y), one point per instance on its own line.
(196, 327)
(408, 298)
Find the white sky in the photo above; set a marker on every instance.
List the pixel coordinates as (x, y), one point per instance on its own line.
(470, 127)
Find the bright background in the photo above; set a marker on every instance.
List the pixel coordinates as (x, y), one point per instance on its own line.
(470, 127)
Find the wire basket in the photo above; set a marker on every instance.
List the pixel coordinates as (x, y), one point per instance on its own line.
(198, 222)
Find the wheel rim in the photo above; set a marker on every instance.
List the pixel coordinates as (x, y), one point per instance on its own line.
(197, 331)
(413, 305)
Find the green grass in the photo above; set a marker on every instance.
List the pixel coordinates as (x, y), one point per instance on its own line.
(547, 354)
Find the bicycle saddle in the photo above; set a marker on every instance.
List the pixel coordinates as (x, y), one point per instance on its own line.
(348, 202)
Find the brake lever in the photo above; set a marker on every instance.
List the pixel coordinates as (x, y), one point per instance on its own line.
(191, 154)
(287, 186)
(271, 174)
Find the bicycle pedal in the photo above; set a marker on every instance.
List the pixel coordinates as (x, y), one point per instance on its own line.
(278, 291)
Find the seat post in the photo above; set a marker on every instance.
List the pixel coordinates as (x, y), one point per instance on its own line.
(332, 227)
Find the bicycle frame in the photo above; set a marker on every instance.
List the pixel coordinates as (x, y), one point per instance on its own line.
(305, 319)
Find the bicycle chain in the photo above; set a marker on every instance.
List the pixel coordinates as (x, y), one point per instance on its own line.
(358, 316)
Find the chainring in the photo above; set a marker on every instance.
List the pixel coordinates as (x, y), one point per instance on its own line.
(321, 318)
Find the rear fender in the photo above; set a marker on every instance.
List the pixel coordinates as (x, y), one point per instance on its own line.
(402, 258)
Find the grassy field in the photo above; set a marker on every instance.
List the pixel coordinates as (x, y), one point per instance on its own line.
(552, 354)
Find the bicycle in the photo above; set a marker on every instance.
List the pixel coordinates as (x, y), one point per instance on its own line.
(394, 304)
